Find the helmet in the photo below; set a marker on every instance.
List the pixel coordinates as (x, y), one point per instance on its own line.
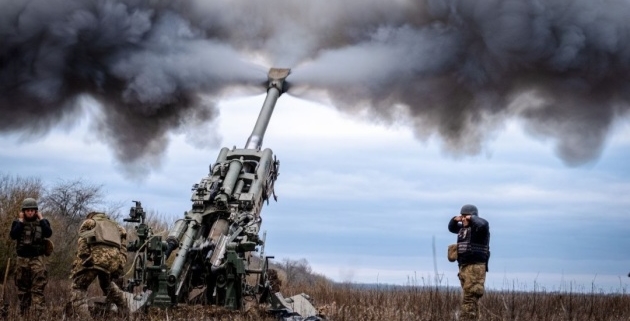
(29, 203)
(469, 209)
(91, 215)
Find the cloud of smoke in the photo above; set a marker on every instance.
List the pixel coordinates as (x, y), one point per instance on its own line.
(452, 68)
(144, 62)
(468, 65)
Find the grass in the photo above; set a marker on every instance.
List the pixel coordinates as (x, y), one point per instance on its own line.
(341, 302)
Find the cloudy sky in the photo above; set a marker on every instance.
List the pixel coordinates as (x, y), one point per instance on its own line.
(362, 202)
(396, 116)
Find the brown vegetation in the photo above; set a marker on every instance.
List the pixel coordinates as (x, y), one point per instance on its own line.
(345, 302)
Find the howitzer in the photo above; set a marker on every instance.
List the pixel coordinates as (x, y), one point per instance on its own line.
(212, 245)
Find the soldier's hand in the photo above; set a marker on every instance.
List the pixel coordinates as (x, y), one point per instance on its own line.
(21, 216)
(39, 215)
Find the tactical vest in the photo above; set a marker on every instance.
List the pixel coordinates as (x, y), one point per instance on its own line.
(467, 249)
(105, 232)
(31, 242)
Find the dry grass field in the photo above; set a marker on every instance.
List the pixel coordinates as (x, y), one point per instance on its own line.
(344, 302)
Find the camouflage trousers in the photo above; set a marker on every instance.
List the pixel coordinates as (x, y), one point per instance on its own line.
(472, 278)
(78, 304)
(31, 278)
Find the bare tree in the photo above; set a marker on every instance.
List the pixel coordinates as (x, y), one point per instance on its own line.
(69, 201)
(299, 273)
(65, 204)
(296, 270)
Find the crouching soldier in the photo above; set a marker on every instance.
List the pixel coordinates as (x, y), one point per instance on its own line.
(31, 230)
(102, 254)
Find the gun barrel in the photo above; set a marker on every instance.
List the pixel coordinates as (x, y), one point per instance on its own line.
(276, 82)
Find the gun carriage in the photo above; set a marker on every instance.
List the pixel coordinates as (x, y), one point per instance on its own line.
(206, 256)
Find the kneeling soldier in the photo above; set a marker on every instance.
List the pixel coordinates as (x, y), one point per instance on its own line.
(102, 254)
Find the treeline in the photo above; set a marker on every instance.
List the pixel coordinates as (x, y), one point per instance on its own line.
(66, 202)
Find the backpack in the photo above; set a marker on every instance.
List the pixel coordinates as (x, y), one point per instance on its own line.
(105, 232)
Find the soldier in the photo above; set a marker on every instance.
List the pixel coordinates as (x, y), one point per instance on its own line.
(102, 254)
(31, 277)
(473, 253)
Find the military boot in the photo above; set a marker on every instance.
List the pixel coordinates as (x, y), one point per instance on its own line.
(116, 296)
(78, 307)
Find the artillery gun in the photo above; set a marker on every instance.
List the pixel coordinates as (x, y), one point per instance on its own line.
(213, 244)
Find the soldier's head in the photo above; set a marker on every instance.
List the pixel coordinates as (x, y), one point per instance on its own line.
(469, 209)
(29, 207)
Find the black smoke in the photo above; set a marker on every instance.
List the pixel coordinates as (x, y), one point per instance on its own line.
(453, 68)
(146, 64)
(562, 67)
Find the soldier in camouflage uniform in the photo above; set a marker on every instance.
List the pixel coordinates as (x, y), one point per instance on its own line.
(473, 253)
(102, 254)
(31, 276)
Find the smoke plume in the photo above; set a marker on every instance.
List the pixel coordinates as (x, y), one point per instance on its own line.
(150, 69)
(560, 66)
(453, 68)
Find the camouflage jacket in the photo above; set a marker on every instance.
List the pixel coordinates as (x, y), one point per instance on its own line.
(108, 258)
